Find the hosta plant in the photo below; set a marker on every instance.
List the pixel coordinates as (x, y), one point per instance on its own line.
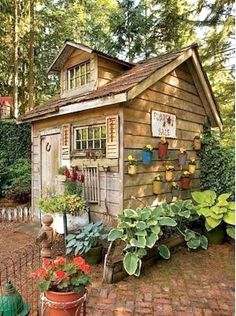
(216, 210)
(140, 229)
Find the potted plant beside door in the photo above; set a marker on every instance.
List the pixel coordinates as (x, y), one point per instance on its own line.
(63, 283)
(147, 154)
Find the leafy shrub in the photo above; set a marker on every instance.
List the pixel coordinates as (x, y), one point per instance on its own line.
(18, 181)
(217, 164)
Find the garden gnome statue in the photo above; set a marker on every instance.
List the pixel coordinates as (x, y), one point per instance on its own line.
(46, 236)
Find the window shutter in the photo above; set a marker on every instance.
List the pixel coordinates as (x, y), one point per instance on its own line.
(112, 142)
(65, 143)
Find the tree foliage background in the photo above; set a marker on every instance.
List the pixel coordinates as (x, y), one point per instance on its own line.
(32, 31)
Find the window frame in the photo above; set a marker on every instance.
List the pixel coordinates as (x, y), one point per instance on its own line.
(77, 75)
(87, 139)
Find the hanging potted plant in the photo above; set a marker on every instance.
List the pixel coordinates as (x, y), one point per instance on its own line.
(169, 174)
(185, 180)
(157, 184)
(132, 165)
(175, 190)
(147, 154)
(85, 242)
(197, 144)
(192, 165)
(63, 285)
(182, 156)
(163, 148)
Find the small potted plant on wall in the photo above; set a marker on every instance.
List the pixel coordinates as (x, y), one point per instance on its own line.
(175, 190)
(163, 148)
(147, 154)
(169, 174)
(197, 144)
(132, 165)
(85, 242)
(157, 184)
(185, 180)
(182, 156)
(192, 165)
(63, 283)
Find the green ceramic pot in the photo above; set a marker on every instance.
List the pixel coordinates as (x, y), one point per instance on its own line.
(94, 255)
(216, 236)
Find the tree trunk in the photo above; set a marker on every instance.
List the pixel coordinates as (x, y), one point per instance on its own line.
(31, 57)
(15, 58)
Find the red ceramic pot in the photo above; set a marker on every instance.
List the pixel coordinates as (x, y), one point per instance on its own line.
(63, 304)
(162, 150)
(185, 182)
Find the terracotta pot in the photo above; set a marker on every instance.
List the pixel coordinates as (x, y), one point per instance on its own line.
(191, 168)
(63, 304)
(197, 144)
(157, 186)
(162, 150)
(182, 159)
(185, 182)
(169, 175)
(147, 157)
(132, 169)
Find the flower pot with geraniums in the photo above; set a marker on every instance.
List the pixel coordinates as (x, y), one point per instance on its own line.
(85, 242)
(75, 207)
(192, 165)
(182, 156)
(147, 154)
(63, 285)
(185, 180)
(163, 148)
(132, 165)
(219, 214)
(197, 144)
(169, 174)
(157, 184)
(175, 190)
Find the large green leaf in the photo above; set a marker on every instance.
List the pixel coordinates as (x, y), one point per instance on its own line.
(222, 199)
(164, 251)
(130, 262)
(189, 235)
(156, 229)
(205, 198)
(151, 240)
(194, 243)
(229, 218)
(204, 242)
(130, 213)
(230, 230)
(167, 221)
(138, 270)
(213, 222)
(184, 213)
(71, 243)
(217, 216)
(115, 234)
(145, 213)
(141, 225)
(218, 209)
(205, 211)
(141, 233)
(231, 206)
(140, 242)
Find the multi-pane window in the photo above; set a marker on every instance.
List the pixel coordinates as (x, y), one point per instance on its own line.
(93, 137)
(78, 75)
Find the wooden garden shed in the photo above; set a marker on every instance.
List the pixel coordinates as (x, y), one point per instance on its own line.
(106, 111)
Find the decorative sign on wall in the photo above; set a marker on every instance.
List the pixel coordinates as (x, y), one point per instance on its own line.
(65, 142)
(163, 124)
(112, 143)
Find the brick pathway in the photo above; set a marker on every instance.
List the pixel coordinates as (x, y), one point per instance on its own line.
(198, 283)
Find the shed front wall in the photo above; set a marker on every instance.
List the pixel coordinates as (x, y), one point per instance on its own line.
(176, 94)
(114, 176)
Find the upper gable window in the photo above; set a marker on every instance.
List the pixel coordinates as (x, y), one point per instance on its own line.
(79, 75)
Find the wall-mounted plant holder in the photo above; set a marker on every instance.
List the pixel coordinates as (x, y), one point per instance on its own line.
(197, 144)
(182, 157)
(132, 169)
(185, 180)
(163, 148)
(157, 185)
(147, 154)
(192, 166)
(169, 173)
(175, 191)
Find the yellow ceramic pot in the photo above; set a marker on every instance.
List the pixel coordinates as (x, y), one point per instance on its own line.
(156, 187)
(132, 169)
(169, 175)
(191, 168)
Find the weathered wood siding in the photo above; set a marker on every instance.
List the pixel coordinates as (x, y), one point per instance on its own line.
(176, 94)
(114, 176)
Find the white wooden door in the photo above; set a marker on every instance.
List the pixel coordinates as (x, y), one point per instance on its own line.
(50, 158)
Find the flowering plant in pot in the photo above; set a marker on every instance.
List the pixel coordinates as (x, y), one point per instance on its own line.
(157, 184)
(147, 154)
(169, 174)
(182, 156)
(197, 144)
(192, 165)
(185, 180)
(163, 148)
(63, 283)
(175, 190)
(132, 165)
(85, 242)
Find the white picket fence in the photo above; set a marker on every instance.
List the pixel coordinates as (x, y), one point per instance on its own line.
(22, 213)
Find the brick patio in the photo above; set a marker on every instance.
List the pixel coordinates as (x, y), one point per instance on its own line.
(198, 283)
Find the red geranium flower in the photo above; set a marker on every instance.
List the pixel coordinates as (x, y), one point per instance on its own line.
(46, 262)
(42, 272)
(34, 276)
(60, 260)
(60, 274)
(81, 264)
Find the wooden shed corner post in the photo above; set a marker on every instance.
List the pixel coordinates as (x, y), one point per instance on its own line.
(121, 157)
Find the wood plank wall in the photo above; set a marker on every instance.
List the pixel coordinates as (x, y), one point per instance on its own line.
(175, 94)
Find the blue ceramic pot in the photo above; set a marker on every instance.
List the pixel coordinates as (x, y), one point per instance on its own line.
(147, 157)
